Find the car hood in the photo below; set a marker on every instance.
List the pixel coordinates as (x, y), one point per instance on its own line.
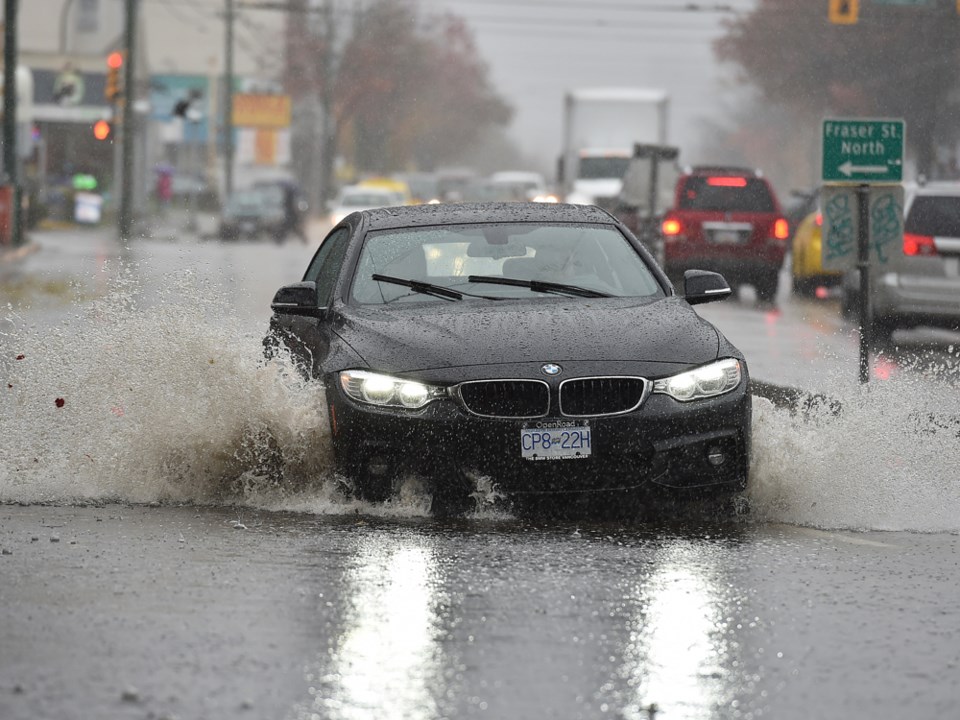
(457, 335)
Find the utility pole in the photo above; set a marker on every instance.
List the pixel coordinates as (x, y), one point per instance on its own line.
(10, 153)
(327, 126)
(228, 101)
(129, 115)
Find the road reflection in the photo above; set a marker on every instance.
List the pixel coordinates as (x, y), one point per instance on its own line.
(388, 661)
(678, 658)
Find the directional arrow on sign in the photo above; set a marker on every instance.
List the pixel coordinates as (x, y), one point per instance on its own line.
(848, 168)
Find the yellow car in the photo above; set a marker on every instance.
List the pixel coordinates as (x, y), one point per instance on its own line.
(398, 187)
(807, 268)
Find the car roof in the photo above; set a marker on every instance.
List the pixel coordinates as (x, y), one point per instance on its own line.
(507, 176)
(484, 212)
(940, 187)
(721, 170)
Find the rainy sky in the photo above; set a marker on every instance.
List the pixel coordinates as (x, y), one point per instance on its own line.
(537, 49)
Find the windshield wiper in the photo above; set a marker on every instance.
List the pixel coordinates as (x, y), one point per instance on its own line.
(421, 287)
(539, 286)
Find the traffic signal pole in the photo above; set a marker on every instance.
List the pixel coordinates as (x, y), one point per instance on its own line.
(10, 159)
(125, 216)
(228, 101)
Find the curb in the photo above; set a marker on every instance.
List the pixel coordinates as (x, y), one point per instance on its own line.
(14, 254)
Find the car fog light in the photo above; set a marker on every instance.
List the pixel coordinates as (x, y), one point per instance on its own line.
(716, 456)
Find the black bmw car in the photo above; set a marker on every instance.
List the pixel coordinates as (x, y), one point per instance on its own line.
(538, 345)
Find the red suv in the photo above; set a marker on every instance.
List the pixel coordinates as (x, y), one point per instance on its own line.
(727, 220)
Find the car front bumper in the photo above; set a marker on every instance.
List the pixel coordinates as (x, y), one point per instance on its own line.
(664, 442)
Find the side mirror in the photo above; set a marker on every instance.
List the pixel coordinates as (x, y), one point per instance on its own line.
(701, 286)
(297, 299)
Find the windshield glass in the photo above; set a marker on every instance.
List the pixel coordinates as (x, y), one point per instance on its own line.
(597, 168)
(752, 195)
(934, 215)
(368, 199)
(593, 257)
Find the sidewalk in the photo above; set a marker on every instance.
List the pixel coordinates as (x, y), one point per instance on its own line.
(12, 254)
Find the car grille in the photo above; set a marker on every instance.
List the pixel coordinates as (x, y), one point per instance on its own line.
(506, 398)
(589, 397)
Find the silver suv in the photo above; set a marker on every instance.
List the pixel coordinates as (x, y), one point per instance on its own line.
(921, 286)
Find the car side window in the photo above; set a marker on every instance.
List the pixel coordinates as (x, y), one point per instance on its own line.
(325, 266)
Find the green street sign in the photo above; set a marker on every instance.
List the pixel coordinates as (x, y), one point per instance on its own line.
(862, 151)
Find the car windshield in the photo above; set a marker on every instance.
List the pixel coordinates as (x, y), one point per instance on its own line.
(368, 199)
(591, 257)
(726, 194)
(596, 168)
(934, 215)
(246, 200)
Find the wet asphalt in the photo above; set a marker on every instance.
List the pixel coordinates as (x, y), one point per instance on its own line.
(139, 611)
(185, 612)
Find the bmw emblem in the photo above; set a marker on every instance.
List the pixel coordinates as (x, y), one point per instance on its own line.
(551, 369)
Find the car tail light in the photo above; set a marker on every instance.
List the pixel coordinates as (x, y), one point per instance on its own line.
(738, 182)
(819, 220)
(671, 227)
(781, 229)
(914, 244)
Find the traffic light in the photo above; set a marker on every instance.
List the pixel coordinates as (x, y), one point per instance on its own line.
(844, 12)
(114, 88)
(102, 130)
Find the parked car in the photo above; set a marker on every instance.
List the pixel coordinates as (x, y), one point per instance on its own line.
(354, 198)
(806, 257)
(519, 186)
(186, 190)
(537, 344)
(253, 213)
(727, 220)
(921, 285)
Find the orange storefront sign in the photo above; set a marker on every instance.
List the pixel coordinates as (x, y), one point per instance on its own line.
(261, 111)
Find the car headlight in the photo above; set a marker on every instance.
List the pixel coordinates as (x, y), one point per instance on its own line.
(708, 381)
(387, 391)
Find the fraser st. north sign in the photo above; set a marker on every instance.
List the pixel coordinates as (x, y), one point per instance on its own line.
(858, 151)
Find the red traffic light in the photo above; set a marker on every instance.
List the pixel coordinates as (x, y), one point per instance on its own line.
(115, 60)
(101, 129)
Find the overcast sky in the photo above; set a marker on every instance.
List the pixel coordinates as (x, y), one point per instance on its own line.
(537, 49)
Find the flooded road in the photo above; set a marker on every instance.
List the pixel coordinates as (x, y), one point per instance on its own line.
(137, 612)
(174, 542)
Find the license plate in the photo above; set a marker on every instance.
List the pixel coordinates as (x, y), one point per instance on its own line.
(726, 237)
(566, 441)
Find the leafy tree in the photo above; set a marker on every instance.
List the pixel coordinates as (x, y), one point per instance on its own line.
(403, 92)
(895, 62)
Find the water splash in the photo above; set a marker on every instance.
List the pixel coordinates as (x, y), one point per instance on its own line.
(877, 457)
(161, 398)
(164, 397)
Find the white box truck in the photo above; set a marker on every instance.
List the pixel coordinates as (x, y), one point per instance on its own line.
(600, 128)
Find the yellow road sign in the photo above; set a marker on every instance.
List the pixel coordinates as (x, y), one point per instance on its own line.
(844, 12)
